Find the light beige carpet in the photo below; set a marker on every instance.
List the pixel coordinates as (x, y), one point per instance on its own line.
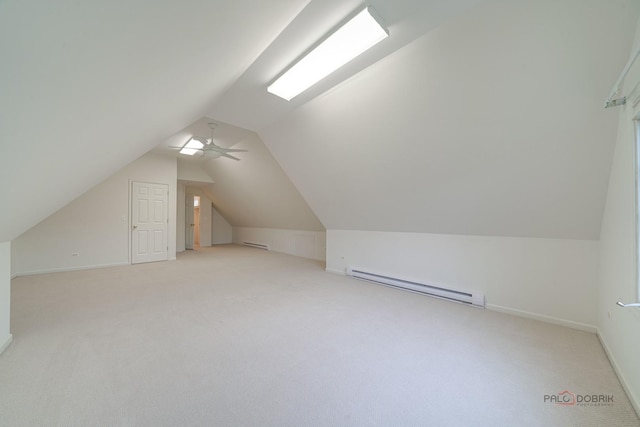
(235, 336)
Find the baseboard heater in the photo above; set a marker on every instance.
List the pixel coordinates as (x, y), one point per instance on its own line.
(475, 299)
(256, 245)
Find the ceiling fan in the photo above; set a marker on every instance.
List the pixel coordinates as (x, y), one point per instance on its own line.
(206, 146)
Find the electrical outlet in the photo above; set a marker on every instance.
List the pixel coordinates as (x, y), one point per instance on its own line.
(75, 254)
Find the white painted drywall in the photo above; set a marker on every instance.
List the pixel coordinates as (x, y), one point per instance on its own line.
(255, 192)
(221, 230)
(95, 226)
(191, 170)
(5, 295)
(618, 327)
(550, 279)
(302, 243)
(93, 79)
(491, 124)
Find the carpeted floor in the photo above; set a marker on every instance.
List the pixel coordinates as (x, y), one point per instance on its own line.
(235, 336)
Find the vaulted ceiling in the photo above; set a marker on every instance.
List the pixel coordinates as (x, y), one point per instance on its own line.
(87, 87)
(251, 192)
(473, 117)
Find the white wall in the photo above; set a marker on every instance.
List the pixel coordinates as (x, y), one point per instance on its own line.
(5, 295)
(619, 328)
(255, 192)
(221, 230)
(548, 279)
(95, 225)
(492, 124)
(306, 244)
(191, 170)
(94, 93)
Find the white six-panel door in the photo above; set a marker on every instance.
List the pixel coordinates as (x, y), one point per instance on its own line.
(149, 222)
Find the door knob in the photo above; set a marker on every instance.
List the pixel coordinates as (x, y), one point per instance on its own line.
(135, 226)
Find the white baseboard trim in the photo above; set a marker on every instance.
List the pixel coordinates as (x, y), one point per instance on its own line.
(543, 318)
(7, 343)
(333, 271)
(64, 269)
(632, 398)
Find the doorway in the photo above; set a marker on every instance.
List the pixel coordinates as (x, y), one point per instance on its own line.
(193, 214)
(196, 221)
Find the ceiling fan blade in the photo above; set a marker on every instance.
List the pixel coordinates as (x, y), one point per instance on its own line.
(229, 156)
(223, 149)
(233, 150)
(184, 146)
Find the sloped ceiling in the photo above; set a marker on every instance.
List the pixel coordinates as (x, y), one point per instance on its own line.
(474, 117)
(255, 192)
(87, 87)
(252, 192)
(492, 124)
(247, 104)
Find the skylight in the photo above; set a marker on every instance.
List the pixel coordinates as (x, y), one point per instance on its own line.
(191, 147)
(359, 34)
